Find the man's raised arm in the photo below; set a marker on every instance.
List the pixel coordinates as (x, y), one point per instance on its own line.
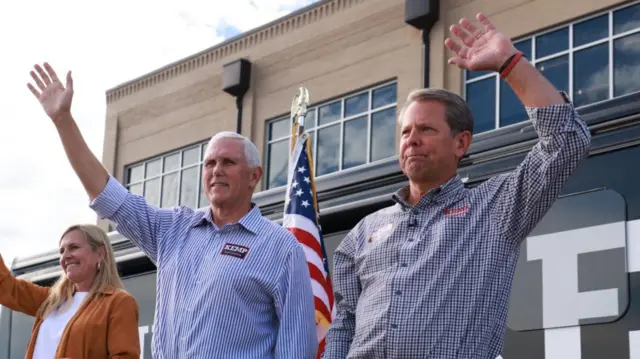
(56, 102)
(524, 195)
(136, 220)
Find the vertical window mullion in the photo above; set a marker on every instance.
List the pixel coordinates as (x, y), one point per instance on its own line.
(570, 59)
(342, 113)
(497, 102)
(315, 143)
(161, 175)
(180, 171)
(611, 69)
(369, 129)
(199, 186)
(465, 83)
(267, 162)
(533, 50)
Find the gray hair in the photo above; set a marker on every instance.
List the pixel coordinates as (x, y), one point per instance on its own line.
(251, 153)
(457, 111)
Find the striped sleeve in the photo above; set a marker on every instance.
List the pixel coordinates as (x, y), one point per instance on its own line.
(140, 222)
(295, 308)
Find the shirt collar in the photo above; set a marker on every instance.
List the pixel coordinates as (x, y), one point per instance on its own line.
(250, 221)
(447, 191)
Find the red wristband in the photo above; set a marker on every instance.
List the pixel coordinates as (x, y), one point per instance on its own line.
(512, 63)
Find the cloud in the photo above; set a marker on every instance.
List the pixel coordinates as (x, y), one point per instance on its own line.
(104, 44)
(226, 30)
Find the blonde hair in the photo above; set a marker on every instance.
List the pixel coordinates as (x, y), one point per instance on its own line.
(107, 277)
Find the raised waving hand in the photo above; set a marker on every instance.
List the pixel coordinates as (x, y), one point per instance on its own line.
(52, 95)
(56, 102)
(481, 48)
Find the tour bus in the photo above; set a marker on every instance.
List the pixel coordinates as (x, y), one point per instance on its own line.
(573, 292)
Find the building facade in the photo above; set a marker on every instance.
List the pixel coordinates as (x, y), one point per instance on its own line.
(359, 59)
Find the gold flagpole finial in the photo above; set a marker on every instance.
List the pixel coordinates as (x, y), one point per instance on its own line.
(299, 106)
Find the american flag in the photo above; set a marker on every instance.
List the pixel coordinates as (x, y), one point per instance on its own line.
(301, 217)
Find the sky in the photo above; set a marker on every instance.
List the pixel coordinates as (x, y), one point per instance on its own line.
(104, 44)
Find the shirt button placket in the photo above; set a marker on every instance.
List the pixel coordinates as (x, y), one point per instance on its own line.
(405, 255)
(394, 306)
(412, 226)
(397, 301)
(404, 260)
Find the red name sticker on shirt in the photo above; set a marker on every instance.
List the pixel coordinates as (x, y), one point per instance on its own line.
(455, 211)
(234, 250)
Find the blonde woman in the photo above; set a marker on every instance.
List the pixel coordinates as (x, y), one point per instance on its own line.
(86, 314)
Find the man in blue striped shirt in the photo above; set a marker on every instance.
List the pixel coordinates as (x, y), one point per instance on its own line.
(230, 283)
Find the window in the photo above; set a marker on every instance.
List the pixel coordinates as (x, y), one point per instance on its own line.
(592, 60)
(170, 180)
(347, 132)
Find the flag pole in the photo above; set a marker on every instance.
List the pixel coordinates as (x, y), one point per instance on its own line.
(302, 216)
(299, 106)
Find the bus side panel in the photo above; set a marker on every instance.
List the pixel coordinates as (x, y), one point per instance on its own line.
(575, 292)
(5, 332)
(21, 325)
(143, 288)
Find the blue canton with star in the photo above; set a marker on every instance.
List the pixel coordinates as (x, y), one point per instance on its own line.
(300, 196)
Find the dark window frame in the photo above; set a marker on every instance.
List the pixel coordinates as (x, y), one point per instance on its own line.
(469, 78)
(314, 126)
(180, 169)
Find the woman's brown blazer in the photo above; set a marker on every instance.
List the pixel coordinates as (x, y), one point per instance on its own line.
(106, 327)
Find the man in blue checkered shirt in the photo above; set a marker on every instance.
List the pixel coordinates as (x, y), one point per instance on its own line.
(430, 276)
